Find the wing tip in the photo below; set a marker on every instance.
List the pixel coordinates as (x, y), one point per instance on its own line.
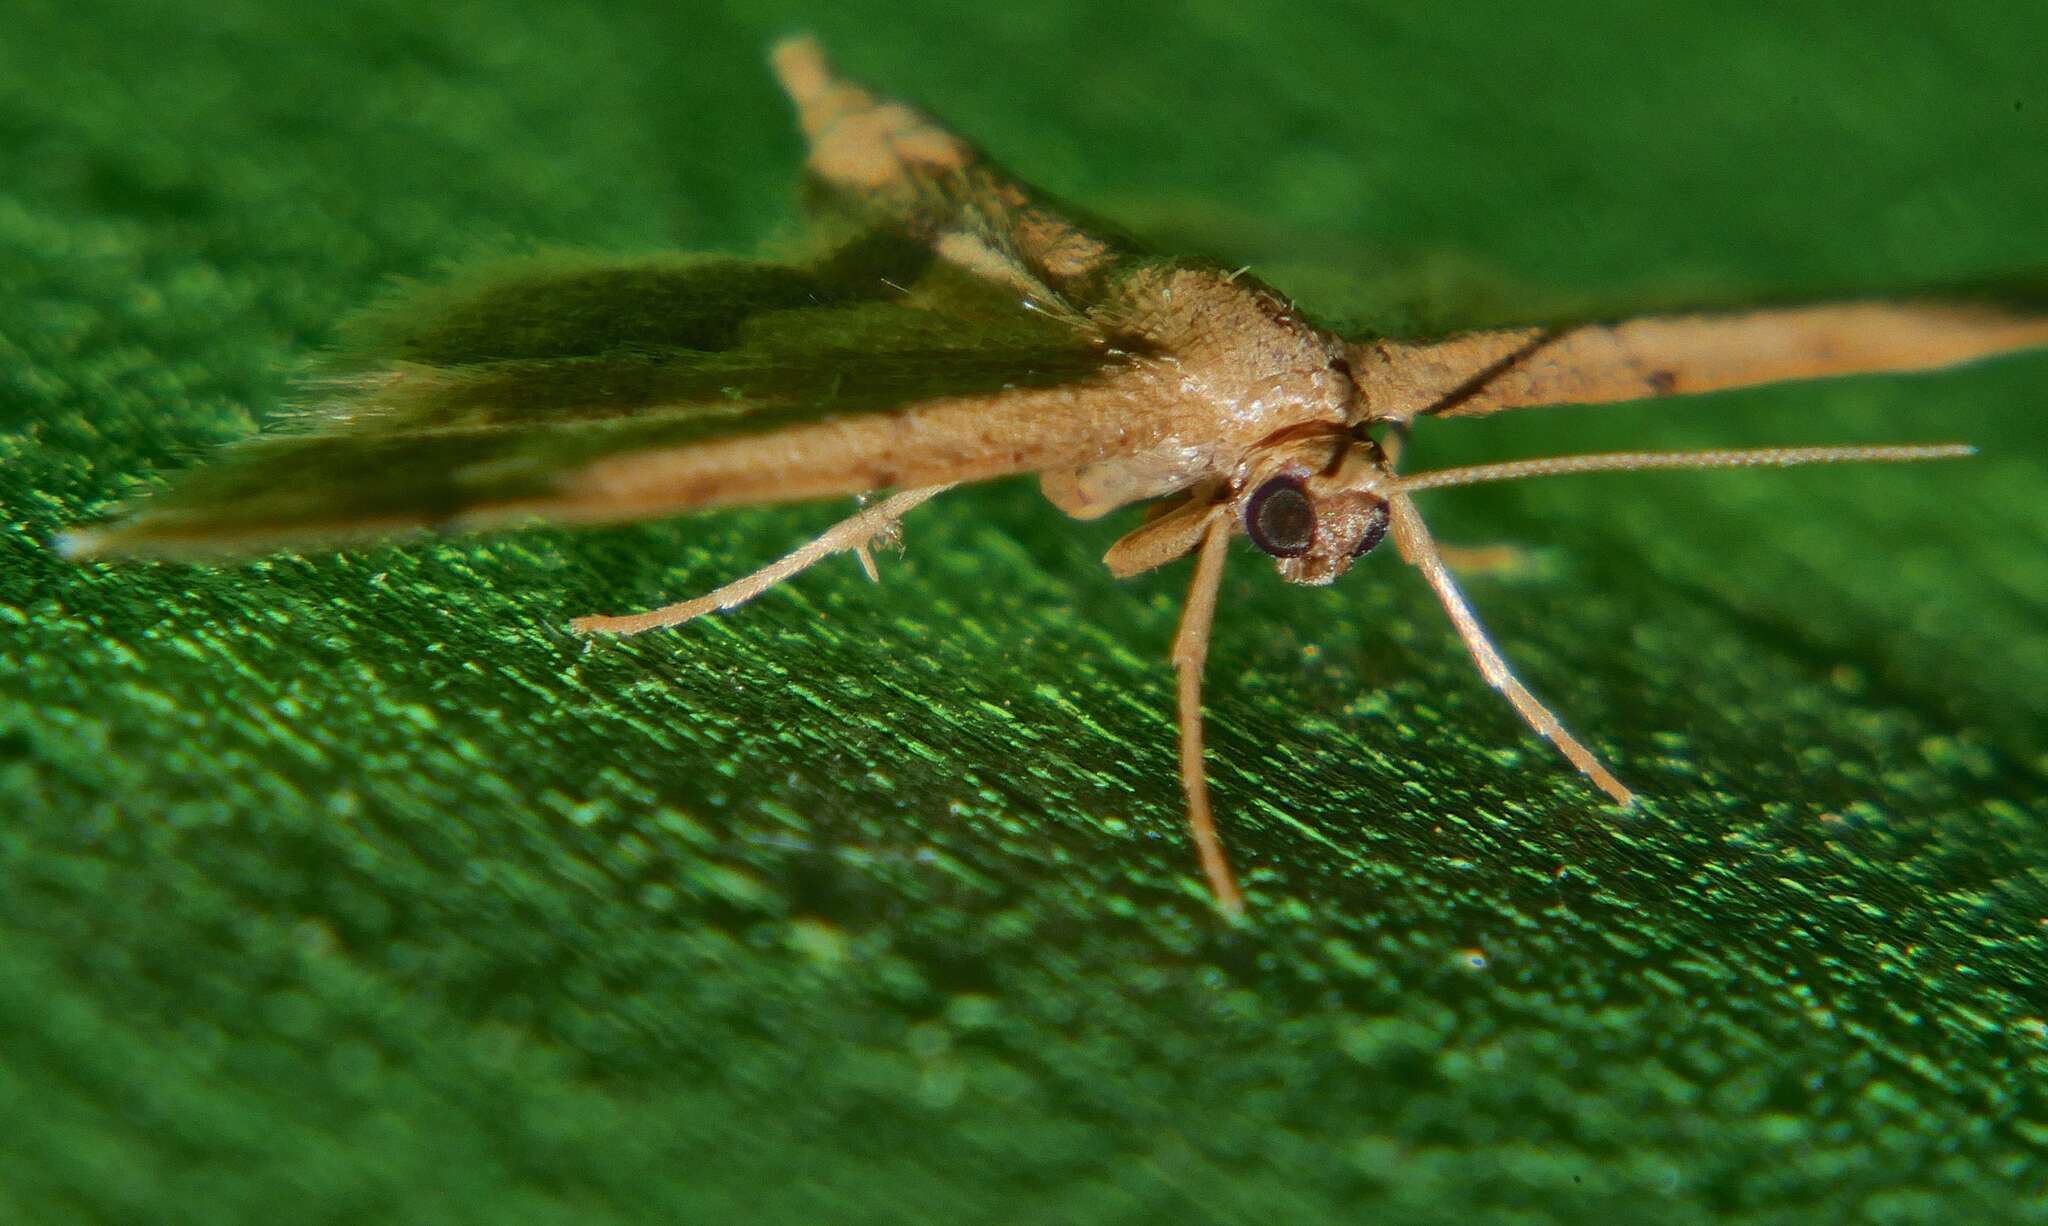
(80, 544)
(129, 537)
(801, 66)
(183, 536)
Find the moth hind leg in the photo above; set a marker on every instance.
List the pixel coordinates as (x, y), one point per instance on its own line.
(855, 533)
(890, 534)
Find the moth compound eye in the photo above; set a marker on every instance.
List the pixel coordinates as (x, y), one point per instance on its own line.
(1375, 530)
(1280, 519)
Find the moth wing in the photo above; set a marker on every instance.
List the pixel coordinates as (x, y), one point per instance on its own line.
(1594, 361)
(592, 390)
(879, 161)
(966, 329)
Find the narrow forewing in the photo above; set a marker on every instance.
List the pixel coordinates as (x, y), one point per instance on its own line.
(1486, 372)
(529, 390)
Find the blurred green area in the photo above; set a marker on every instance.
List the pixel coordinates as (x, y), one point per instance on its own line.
(350, 887)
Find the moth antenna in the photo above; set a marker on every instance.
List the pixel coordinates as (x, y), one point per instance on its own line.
(1190, 651)
(1645, 461)
(1420, 551)
(852, 533)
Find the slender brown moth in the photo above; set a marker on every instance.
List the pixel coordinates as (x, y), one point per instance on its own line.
(959, 327)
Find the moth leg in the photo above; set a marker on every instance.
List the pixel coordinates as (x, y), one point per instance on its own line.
(1465, 559)
(1394, 442)
(865, 551)
(1421, 552)
(1190, 650)
(1174, 532)
(854, 532)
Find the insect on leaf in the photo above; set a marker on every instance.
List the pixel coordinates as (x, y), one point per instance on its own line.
(963, 327)
(479, 402)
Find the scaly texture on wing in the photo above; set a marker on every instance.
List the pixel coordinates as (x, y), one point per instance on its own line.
(1591, 363)
(881, 160)
(967, 330)
(536, 388)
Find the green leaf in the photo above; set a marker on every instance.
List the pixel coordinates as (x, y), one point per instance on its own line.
(348, 888)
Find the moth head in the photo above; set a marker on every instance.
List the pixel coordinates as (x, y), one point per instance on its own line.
(1315, 508)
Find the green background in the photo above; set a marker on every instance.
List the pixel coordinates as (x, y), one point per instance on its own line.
(350, 887)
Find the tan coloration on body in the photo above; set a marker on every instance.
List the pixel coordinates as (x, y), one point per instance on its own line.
(888, 153)
(1677, 355)
(1240, 397)
(1062, 250)
(859, 142)
(854, 534)
(937, 442)
(1214, 392)
(1167, 537)
(1238, 367)
(1192, 407)
(1190, 653)
(1419, 550)
(972, 254)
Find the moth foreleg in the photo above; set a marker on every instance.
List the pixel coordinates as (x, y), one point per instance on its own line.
(856, 532)
(1465, 559)
(1421, 552)
(1190, 651)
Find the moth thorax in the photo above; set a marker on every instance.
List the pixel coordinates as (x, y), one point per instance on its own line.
(1312, 536)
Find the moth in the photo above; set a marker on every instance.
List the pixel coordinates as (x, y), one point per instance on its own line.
(957, 326)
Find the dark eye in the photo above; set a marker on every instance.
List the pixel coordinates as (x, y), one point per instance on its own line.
(1375, 530)
(1280, 519)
